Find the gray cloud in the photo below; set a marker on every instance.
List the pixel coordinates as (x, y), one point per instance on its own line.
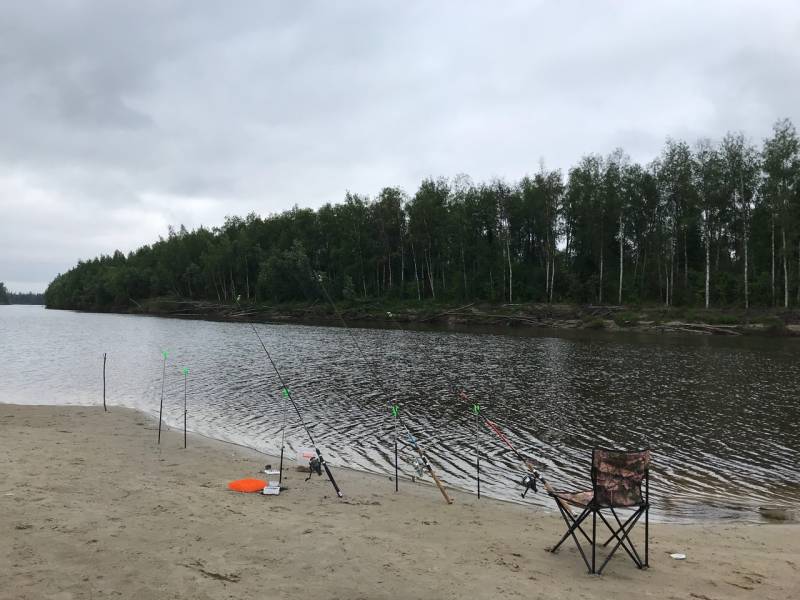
(118, 119)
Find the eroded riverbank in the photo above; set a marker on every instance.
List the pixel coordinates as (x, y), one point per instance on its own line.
(474, 316)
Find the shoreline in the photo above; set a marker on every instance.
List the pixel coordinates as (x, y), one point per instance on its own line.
(93, 508)
(475, 317)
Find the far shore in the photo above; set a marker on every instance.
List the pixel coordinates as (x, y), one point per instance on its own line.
(762, 322)
(92, 507)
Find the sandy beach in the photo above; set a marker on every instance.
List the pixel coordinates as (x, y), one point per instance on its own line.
(91, 507)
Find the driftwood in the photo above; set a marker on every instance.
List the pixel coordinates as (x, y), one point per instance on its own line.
(452, 311)
(531, 315)
(704, 328)
(483, 316)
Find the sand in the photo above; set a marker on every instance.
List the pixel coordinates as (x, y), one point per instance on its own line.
(91, 507)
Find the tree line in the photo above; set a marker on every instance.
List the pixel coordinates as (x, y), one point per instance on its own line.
(7, 297)
(25, 298)
(714, 223)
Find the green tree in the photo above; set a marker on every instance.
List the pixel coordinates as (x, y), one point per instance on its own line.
(679, 214)
(741, 173)
(709, 184)
(688, 228)
(782, 171)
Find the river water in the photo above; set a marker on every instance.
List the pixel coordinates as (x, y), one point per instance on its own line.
(721, 414)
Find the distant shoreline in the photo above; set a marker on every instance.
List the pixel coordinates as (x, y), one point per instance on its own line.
(652, 320)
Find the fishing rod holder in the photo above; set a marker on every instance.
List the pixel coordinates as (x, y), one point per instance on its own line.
(529, 483)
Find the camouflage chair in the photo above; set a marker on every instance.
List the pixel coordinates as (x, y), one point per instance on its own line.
(617, 478)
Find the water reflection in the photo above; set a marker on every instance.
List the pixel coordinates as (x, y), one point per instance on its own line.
(720, 414)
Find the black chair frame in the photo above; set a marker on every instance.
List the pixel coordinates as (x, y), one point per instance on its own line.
(621, 532)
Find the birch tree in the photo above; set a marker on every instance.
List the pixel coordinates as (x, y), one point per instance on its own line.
(708, 174)
(782, 169)
(612, 199)
(741, 176)
(677, 187)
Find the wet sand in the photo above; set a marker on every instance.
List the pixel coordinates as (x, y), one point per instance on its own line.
(91, 507)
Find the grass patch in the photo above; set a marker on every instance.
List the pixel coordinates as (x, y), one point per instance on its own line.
(716, 318)
(626, 319)
(596, 323)
(774, 325)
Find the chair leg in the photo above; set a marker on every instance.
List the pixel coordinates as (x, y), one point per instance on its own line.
(637, 559)
(625, 534)
(594, 537)
(571, 521)
(647, 535)
(628, 541)
(647, 518)
(576, 524)
(614, 535)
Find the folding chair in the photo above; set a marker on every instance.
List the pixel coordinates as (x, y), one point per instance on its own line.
(617, 477)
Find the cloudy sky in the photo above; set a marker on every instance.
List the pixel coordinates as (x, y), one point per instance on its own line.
(120, 118)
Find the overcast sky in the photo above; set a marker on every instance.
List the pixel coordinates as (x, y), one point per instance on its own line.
(120, 118)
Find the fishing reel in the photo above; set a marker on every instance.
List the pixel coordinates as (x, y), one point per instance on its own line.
(529, 483)
(314, 466)
(419, 466)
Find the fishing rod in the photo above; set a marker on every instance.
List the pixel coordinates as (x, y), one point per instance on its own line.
(529, 479)
(423, 464)
(317, 464)
(532, 474)
(284, 394)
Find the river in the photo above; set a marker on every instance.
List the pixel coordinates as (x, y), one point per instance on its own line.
(720, 414)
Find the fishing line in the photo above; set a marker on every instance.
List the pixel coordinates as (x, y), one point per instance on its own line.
(320, 462)
(533, 475)
(459, 391)
(395, 407)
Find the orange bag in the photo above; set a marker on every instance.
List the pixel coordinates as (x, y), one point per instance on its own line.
(247, 485)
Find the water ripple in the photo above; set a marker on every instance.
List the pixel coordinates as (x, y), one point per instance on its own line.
(720, 414)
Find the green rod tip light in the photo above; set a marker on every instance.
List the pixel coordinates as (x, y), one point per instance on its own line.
(285, 392)
(164, 353)
(186, 370)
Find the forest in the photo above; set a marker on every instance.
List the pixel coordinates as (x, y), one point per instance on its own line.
(7, 297)
(716, 223)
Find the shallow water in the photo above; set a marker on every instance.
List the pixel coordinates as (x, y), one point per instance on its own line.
(721, 414)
